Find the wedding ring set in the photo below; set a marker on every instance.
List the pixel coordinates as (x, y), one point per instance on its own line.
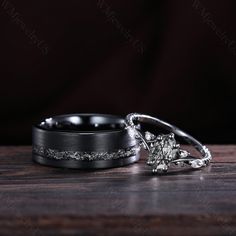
(93, 141)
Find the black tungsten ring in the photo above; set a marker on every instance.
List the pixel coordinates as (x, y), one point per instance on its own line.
(87, 141)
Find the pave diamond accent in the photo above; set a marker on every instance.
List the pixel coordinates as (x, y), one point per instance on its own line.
(84, 156)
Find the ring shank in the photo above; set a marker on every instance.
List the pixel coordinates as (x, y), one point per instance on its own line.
(135, 117)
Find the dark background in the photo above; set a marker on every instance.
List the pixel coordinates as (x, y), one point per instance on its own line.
(171, 59)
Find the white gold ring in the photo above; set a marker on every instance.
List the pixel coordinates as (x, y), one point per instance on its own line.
(163, 149)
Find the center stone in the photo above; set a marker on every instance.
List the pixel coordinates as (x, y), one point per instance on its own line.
(163, 150)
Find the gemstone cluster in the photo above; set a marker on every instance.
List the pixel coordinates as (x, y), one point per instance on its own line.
(163, 150)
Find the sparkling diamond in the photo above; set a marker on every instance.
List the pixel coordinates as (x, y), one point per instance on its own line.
(162, 152)
(197, 163)
(149, 136)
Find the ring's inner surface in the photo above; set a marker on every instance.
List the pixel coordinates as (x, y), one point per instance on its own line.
(83, 123)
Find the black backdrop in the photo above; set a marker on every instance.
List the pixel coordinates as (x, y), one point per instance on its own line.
(172, 59)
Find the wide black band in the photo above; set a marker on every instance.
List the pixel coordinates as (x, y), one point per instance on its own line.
(84, 141)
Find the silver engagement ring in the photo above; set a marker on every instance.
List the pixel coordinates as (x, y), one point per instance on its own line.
(163, 149)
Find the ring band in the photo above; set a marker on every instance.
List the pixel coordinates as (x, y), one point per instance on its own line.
(87, 141)
(163, 149)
